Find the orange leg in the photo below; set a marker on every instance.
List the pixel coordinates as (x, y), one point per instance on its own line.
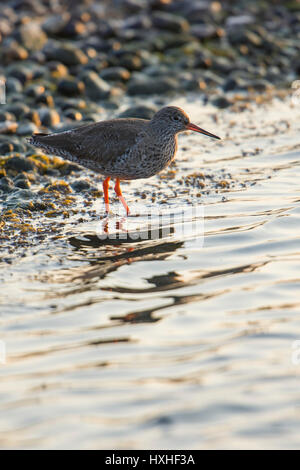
(105, 191)
(119, 194)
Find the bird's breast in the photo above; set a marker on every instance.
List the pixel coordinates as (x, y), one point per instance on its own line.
(146, 158)
(156, 156)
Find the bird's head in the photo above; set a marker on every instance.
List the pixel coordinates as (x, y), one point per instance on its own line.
(175, 120)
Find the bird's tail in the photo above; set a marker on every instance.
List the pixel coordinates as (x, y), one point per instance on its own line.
(35, 139)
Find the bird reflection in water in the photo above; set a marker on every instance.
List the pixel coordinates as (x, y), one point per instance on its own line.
(106, 255)
(118, 231)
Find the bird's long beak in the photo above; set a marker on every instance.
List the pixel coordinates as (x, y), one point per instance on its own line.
(193, 127)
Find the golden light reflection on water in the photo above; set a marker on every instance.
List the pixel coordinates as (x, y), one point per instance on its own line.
(168, 341)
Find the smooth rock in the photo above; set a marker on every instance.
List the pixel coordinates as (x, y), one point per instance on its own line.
(70, 87)
(26, 128)
(54, 24)
(45, 98)
(170, 22)
(66, 54)
(33, 91)
(19, 164)
(239, 20)
(140, 111)
(221, 102)
(81, 185)
(13, 85)
(6, 184)
(31, 36)
(6, 148)
(135, 6)
(130, 62)
(6, 116)
(159, 85)
(22, 183)
(204, 31)
(13, 52)
(96, 87)
(115, 74)
(8, 127)
(49, 117)
(23, 73)
(73, 114)
(33, 116)
(18, 109)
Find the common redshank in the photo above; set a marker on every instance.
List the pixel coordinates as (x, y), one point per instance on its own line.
(124, 149)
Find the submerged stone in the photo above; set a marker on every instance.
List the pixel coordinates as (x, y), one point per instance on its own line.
(6, 184)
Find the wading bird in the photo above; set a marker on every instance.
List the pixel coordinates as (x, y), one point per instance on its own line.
(124, 149)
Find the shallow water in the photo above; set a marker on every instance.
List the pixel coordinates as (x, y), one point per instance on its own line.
(184, 340)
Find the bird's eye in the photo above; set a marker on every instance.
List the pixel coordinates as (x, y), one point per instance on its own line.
(176, 118)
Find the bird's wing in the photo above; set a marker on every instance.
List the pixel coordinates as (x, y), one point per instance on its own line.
(100, 142)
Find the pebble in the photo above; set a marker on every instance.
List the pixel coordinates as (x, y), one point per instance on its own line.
(239, 21)
(96, 87)
(81, 185)
(18, 109)
(31, 36)
(33, 91)
(148, 86)
(13, 85)
(57, 69)
(6, 116)
(19, 164)
(221, 102)
(66, 54)
(73, 114)
(115, 74)
(6, 148)
(33, 116)
(45, 98)
(22, 182)
(8, 127)
(169, 22)
(26, 128)
(68, 168)
(73, 29)
(59, 186)
(135, 6)
(205, 31)
(6, 184)
(231, 84)
(54, 24)
(140, 112)
(49, 117)
(23, 73)
(17, 197)
(131, 62)
(13, 52)
(70, 87)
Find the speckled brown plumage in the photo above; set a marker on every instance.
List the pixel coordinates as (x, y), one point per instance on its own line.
(122, 148)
